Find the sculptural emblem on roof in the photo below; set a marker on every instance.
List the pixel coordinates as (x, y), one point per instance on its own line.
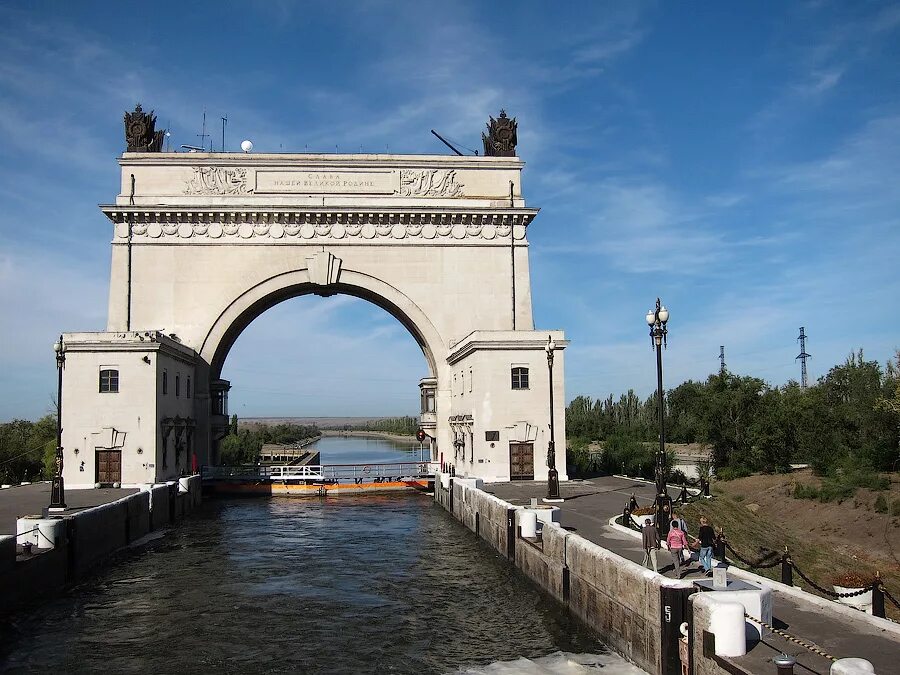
(500, 140)
(140, 131)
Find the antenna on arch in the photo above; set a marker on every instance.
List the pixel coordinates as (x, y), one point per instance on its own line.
(722, 366)
(803, 356)
(446, 142)
(202, 135)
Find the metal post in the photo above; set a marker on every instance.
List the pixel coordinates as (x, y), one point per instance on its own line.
(552, 474)
(784, 664)
(657, 320)
(787, 569)
(57, 489)
(878, 597)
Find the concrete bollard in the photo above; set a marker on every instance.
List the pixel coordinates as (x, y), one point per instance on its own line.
(727, 624)
(40, 532)
(528, 523)
(852, 666)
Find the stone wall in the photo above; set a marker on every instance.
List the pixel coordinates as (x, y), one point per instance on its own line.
(92, 536)
(619, 599)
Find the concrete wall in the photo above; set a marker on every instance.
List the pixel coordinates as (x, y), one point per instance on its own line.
(92, 536)
(619, 599)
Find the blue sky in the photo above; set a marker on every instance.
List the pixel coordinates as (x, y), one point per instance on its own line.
(740, 160)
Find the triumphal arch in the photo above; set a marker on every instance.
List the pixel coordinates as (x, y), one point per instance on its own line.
(203, 243)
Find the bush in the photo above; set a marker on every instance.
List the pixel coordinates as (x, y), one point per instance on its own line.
(881, 505)
(835, 491)
(803, 491)
(732, 472)
(852, 580)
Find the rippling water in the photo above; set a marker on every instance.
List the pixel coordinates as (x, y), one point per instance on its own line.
(352, 584)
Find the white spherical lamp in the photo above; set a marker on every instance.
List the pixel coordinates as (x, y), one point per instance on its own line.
(246, 146)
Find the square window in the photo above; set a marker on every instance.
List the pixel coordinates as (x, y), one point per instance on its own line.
(520, 378)
(109, 381)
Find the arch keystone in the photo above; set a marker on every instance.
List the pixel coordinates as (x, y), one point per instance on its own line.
(324, 268)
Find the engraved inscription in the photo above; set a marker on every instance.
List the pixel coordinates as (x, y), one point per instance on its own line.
(358, 182)
(217, 180)
(430, 183)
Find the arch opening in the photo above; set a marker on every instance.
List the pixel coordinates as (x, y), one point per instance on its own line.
(253, 302)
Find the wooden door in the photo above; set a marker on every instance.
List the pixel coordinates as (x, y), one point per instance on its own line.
(521, 461)
(109, 466)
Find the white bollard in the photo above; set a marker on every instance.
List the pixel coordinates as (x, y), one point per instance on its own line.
(40, 532)
(52, 530)
(852, 666)
(528, 523)
(727, 624)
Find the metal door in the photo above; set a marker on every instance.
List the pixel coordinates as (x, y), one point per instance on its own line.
(521, 461)
(109, 466)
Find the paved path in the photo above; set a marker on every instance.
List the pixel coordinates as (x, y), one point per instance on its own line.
(591, 503)
(26, 500)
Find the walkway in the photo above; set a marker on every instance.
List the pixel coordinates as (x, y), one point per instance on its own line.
(589, 505)
(26, 500)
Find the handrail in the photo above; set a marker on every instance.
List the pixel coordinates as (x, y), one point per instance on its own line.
(322, 472)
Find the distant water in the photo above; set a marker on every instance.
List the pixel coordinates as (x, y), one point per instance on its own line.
(351, 584)
(363, 450)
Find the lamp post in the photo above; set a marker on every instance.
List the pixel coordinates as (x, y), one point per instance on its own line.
(552, 474)
(58, 490)
(657, 319)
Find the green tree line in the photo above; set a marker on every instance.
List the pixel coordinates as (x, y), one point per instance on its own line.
(401, 426)
(849, 418)
(27, 450)
(242, 446)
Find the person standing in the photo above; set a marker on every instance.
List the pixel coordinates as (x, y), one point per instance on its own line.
(677, 543)
(651, 545)
(706, 538)
(664, 522)
(681, 523)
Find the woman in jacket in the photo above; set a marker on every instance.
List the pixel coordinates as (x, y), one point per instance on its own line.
(677, 542)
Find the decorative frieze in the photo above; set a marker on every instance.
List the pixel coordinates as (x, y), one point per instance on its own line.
(340, 225)
(217, 180)
(430, 183)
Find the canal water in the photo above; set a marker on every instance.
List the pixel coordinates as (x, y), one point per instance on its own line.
(349, 584)
(366, 449)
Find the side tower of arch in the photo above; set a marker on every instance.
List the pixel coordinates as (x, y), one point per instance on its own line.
(205, 242)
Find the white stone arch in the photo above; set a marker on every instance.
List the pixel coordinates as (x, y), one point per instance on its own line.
(256, 299)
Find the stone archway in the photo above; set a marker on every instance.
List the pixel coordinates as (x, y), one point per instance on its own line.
(203, 243)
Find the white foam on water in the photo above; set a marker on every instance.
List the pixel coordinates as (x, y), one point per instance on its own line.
(558, 663)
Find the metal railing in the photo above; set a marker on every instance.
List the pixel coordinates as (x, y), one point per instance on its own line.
(323, 472)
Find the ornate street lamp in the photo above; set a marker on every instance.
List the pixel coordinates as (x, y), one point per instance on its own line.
(657, 321)
(58, 490)
(552, 474)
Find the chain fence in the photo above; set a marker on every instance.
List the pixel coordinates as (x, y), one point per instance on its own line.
(790, 638)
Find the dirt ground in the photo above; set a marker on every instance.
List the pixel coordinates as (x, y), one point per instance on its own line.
(852, 528)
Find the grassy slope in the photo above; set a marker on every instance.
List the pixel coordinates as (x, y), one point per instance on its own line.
(752, 534)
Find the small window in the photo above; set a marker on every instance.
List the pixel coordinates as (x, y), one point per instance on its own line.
(471, 377)
(109, 381)
(492, 435)
(187, 387)
(165, 383)
(177, 385)
(520, 378)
